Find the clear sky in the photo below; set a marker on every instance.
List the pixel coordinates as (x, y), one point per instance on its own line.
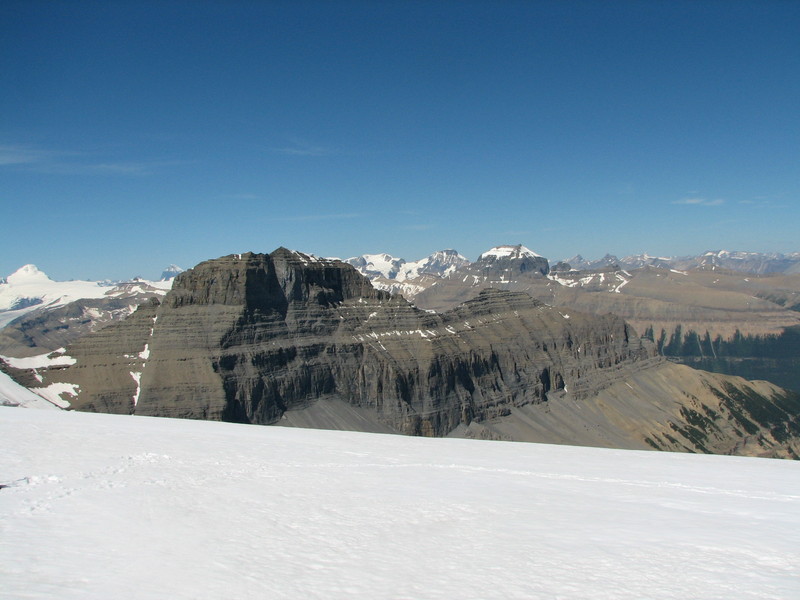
(138, 134)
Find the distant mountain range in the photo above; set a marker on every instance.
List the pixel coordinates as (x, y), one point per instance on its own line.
(445, 261)
(383, 265)
(441, 284)
(743, 262)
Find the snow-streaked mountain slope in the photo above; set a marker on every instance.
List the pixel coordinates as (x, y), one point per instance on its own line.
(737, 261)
(101, 506)
(398, 276)
(439, 264)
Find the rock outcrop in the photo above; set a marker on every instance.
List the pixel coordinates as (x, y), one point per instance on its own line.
(293, 339)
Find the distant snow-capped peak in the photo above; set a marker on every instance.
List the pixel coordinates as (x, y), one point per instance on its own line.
(170, 272)
(374, 265)
(441, 263)
(27, 274)
(28, 288)
(636, 261)
(507, 251)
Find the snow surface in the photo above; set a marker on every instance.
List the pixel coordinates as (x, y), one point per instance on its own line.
(164, 284)
(171, 272)
(107, 506)
(441, 263)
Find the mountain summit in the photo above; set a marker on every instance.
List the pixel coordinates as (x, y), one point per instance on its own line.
(27, 274)
(170, 272)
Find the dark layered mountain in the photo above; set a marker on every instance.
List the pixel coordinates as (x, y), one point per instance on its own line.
(292, 339)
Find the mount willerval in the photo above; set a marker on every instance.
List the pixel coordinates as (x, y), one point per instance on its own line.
(288, 338)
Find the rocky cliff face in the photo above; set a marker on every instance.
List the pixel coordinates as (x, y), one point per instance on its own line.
(291, 338)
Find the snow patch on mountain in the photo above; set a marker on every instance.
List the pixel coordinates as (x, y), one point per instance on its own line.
(57, 358)
(55, 393)
(28, 286)
(27, 274)
(440, 263)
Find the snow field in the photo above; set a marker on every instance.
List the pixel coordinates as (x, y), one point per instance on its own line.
(103, 506)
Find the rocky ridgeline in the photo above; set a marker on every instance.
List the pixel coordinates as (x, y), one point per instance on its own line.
(289, 338)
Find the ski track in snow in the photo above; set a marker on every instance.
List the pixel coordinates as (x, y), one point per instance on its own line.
(103, 506)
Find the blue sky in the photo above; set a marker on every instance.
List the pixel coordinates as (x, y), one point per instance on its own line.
(138, 134)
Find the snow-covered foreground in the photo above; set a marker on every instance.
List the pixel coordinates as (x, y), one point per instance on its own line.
(101, 506)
